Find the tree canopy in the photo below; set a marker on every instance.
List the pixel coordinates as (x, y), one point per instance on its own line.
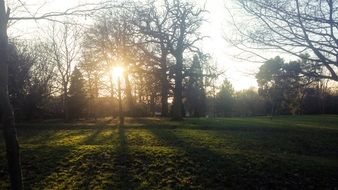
(294, 27)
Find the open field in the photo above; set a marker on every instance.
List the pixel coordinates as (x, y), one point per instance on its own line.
(298, 152)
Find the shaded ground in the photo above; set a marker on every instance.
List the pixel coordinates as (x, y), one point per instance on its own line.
(235, 153)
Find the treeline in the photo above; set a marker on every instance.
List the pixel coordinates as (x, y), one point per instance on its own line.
(289, 89)
(282, 90)
(68, 74)
(317, 98)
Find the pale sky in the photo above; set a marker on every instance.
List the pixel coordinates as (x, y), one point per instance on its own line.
(241, 74)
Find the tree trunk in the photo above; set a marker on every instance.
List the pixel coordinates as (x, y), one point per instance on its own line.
(112, 96)
(121, 115)
(7, 115)
(128, 94)
(177, 107)
(164, 81)
(96, 95)
(164, 99)
(152, 104)
(65, 102)
(164, 92)
(272, 110)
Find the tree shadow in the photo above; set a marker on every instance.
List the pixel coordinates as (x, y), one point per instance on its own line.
(206, 164)
(54, 160)
(47, 165)
(122, 157)
(101, 137)
(219, 169)
(124, 163)
(81, 168)
(275, 137)
(38, 162)
(90, 139)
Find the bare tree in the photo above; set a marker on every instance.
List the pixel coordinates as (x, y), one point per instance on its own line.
(92, 71)
(295, 27)
(42, 72)
(153, 26)
(185, 21)
(111, 40)
(64, 53)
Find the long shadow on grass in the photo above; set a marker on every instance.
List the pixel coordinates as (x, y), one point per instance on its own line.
(52, 166)
(123, 163)
(232, 124)
(278, 136)
(63, 126)
(122, 156)
(219, 170)
(211, 170)
(38, 160)
(37, 163)
(91, 139)
(41, 161)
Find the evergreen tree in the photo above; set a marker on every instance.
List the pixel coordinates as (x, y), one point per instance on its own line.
(77, 95)
(225, 99)
(282, 84)
(270, 85)
(195, 92)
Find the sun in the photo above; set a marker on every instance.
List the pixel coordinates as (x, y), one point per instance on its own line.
(117, 72)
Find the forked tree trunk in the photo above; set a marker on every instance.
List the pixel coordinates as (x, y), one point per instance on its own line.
(7, 115)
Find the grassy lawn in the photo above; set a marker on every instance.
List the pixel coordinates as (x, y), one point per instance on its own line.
(297, 152)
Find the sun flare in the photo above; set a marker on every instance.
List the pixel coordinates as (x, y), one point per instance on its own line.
(117, 72)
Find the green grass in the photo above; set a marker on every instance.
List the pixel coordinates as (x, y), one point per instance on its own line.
(297, 152)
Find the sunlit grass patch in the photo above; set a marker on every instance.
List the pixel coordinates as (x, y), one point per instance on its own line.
(85, 166)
